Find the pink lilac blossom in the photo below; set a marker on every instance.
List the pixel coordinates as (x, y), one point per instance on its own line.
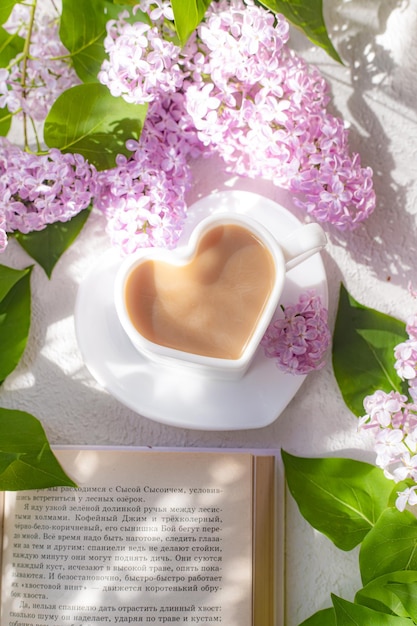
(7, 98)
(406, 359)
(3, 233)
(48, 69)
(264, 110)
(250, 99)
(299, 340)
(142, 65)
(143, 197)
(36, 190)
(408, 496)
(391, 417)
(158, 10)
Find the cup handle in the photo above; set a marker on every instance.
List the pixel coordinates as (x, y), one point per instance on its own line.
(303, 243)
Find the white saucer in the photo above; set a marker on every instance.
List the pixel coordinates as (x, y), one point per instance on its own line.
(174, 396)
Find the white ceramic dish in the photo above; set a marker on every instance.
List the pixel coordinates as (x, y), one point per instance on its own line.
(176, 396)
(306, 240)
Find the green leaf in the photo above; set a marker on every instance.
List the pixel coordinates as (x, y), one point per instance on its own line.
(187, 16)
(341, 498)
(6, 7)
(88, 120)
(10, 47)
(350, 614)
(5, 122)
(8, 279)
(82, 31)
(378, 595)
(26, 459)
(363, 351)
(325, 617)
(307, 15)
(15, 312)
(407, 593)
(47, 246)
(390, 546)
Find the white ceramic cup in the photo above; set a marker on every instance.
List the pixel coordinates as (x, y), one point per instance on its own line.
(297, 247)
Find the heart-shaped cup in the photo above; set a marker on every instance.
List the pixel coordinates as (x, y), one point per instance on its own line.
(208, 304)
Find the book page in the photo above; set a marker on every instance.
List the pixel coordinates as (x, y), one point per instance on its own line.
(148, 537)
(267, 609)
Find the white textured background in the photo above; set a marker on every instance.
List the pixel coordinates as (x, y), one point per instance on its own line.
(376, 91)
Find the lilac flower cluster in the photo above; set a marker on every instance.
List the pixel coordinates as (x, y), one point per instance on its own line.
(47, 67)
(39, 190)
(142, 64)
(392, 419)
(245, 96)
(264, 110)
(298, 341)
(143, 197)
(36, 190)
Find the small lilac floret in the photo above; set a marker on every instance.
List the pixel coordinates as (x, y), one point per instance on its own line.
(408, 496)
(381, 406)
(407, 469)
(389, 447)
(406, 359)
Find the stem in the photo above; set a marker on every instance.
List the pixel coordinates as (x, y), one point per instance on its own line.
(24, 66)
(35, 131)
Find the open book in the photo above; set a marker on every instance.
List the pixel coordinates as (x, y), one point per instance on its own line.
(149, 536)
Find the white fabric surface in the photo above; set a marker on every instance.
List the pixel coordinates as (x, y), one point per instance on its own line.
(376, 91)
